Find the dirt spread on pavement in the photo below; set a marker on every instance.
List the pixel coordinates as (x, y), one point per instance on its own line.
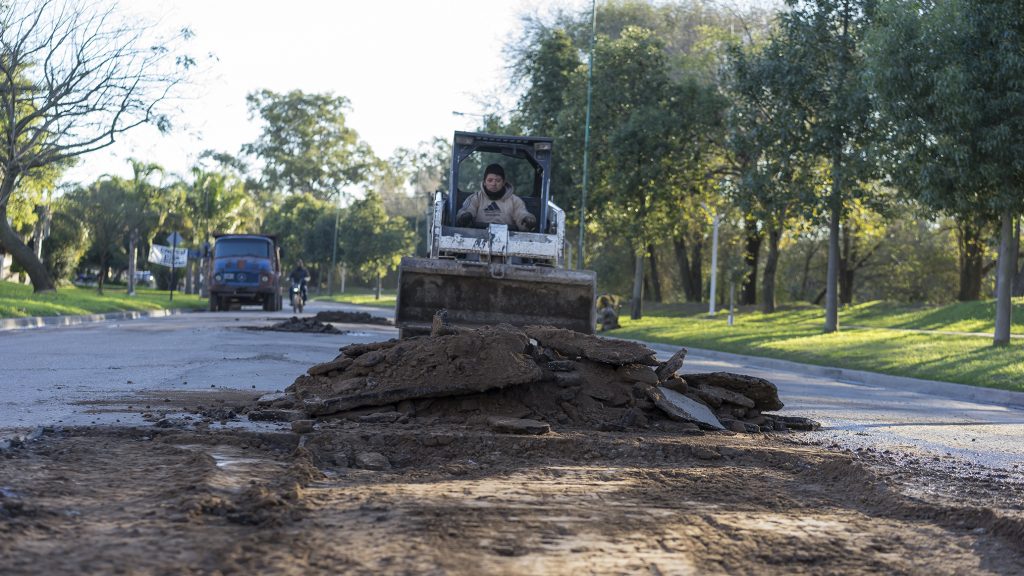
(351, 317)
(321, 322)
(522, 452)
(428, 498)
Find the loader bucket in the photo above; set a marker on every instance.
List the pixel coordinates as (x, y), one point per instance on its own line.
(476, 293)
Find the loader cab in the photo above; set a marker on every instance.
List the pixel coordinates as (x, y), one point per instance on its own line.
(527, 164)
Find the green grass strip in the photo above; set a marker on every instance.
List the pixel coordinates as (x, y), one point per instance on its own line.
(889, 344)
(18, 301)
(362, 297)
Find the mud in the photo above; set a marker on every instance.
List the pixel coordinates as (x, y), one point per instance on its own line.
(296, 324)
(497, 451)
(351, 317)
(321, 322)
(423, 497)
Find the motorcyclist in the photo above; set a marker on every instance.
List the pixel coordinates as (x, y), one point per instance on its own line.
(299, 276)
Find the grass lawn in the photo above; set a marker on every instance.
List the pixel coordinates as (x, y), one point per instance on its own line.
(886, 343)
(363, 297)
(18, 301)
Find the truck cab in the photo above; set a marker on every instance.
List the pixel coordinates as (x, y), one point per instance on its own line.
(244, 269)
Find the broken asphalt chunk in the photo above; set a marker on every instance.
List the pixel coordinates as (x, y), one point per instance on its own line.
(578, 345)
(764, 394)
(518, 425)
(679, 407)
(668, 368)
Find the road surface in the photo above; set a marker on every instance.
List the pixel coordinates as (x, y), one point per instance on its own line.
(53, 376)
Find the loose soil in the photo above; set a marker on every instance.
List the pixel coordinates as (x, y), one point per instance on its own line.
(437, 484)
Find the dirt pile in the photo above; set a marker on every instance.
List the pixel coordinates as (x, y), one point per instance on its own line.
(309, 324)
(351, 317)
(526, 381)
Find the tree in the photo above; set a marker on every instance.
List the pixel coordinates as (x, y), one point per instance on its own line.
(72, 79)
(823, 61)
(297, 224)
(655, 151)
(776, 177)
(956, 127)
(305, 144)
(373, 242)
(101, 208)
(64, 247)
(142, 205)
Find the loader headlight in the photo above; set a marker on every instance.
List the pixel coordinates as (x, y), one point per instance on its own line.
(218, 277)
(264, 279)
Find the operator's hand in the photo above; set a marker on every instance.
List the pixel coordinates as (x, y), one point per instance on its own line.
(464, 220)
(529, 223)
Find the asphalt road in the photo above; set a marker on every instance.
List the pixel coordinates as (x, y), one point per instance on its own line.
(47, 372)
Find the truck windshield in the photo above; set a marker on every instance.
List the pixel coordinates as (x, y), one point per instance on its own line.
(227, 248)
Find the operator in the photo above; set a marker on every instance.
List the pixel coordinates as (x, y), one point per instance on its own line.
(299, 276)
(496, 203)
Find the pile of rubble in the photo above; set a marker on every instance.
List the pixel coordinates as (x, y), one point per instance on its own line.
(351, 317)
(526, 380)
(309, 324)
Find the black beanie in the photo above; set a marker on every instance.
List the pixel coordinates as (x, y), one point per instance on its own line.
(494, 169)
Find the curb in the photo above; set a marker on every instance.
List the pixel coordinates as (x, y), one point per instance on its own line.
(42, 321)
(949, 390)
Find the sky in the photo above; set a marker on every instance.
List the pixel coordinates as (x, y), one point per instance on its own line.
(404, 65)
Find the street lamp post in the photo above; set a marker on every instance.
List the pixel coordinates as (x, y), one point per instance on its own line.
(714, 263)
(586, 132)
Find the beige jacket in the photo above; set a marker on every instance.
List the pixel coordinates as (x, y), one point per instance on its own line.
(509, 209)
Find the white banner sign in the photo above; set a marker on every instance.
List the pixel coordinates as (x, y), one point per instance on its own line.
(162, 255)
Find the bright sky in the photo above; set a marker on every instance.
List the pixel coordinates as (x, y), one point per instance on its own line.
(405, 65)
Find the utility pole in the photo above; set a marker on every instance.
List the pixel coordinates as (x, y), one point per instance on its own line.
(586, 132)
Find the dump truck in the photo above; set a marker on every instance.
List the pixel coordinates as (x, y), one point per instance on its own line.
(244, 269)
(490, 274)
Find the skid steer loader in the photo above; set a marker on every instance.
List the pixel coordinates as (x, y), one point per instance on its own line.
(490, 275)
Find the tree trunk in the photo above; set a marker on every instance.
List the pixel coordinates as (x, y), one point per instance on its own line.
(688, 274)
(188, 272)
(805, 282)
(1018, 279)
(846, 268)
(376, 293)
(1004, 278)
(771, 264)
(102, 276)
(752, 249)
(23, 255)
(832, 279)
(636, 308)
(972, 262)
(655, 278)
(133, 240)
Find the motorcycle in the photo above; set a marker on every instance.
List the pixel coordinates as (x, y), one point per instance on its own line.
(298, 302)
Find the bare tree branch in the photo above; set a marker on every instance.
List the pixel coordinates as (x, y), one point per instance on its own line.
(75, 75)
